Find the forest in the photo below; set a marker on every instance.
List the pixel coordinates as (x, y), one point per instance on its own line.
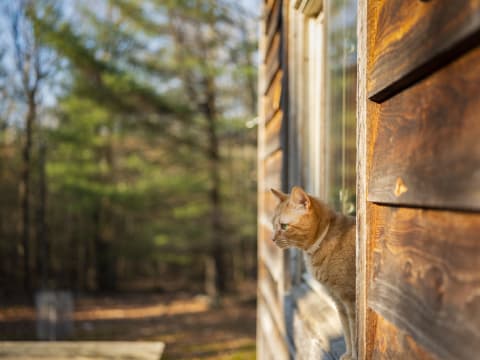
(127, 146)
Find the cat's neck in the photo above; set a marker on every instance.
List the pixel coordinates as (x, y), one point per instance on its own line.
(329, 223)
(314, 247)
(324, 218)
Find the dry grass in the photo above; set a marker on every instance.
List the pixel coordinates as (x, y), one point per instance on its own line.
(186, 324)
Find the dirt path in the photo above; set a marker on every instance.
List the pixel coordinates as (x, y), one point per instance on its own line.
(186, 324)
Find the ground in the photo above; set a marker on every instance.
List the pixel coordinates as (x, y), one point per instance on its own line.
(189, 327)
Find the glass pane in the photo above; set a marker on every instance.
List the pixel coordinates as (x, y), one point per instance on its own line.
(341, 104)
(314, 80)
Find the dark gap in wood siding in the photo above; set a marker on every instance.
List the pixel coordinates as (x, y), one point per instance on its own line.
(413, 39)
(273, 27)
(425, 70)
(427, 150)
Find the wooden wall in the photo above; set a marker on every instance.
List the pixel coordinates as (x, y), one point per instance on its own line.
(418, 181)
(296, 319)
(271, 324)
(418, 185)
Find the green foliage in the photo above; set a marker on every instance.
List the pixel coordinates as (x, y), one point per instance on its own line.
(128, 166)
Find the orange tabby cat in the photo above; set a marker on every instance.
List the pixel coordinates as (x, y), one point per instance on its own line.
(328, 241)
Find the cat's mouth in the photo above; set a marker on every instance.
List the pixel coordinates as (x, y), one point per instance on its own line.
(282, 244)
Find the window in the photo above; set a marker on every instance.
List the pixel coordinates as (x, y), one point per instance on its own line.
(322, 81)
(322, 105)
(341, 78)
(306, 67)
(306, 104)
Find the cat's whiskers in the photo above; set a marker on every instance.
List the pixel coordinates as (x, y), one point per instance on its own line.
(283, 243)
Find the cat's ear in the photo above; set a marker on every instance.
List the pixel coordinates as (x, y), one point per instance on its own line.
(300, 197)
(280, 195)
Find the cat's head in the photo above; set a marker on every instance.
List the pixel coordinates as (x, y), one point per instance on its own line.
(295, 220)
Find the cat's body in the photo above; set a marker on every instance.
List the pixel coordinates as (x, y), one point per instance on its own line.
(328, 241)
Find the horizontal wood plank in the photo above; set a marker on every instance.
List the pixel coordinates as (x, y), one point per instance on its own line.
(273, 49)
(87, 350)
(426, 277)
(269, 9)
(273, 339)
(268, 288)
(263, 344)
(273, 25)
(270, 203)
(394, 344)
(268, 5)
(272, 97)
(272, 134)
(427, 148)
(310, 8)
(273, 170)
(414, 38)
(271, 71)
(270, 254)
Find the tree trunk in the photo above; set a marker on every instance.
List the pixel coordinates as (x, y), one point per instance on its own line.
(41, 228)
(217, 249)
(211, 287)
(104, 260)
(25, 192)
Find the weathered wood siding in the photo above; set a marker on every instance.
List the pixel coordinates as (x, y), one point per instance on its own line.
(296, 319)
(313, 329)
(419, 177)
(271, 325)
(414, 38)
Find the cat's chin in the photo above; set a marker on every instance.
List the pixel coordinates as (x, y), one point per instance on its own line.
(282, 245)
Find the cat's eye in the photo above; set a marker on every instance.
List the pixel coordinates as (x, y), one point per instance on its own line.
(283, 226)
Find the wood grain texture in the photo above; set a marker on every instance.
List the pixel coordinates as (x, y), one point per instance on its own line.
(272, 62)
(273, 48)
(309, 8)
(273, 171)
(86, 350)
(366, 126)
(268, 287)
(270, 338)
(274, 27)
(414, 38)
(272, 70)
(394, 344)
(270, 254)
(267, 8)
(272, 134)
(426, 278)
(361, 170)
(271, 203)
(427, 149)
(273, 342)
(272, 23)
(272, 97)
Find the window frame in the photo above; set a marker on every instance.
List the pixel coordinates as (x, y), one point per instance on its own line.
(307, 96)
(308, 108)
